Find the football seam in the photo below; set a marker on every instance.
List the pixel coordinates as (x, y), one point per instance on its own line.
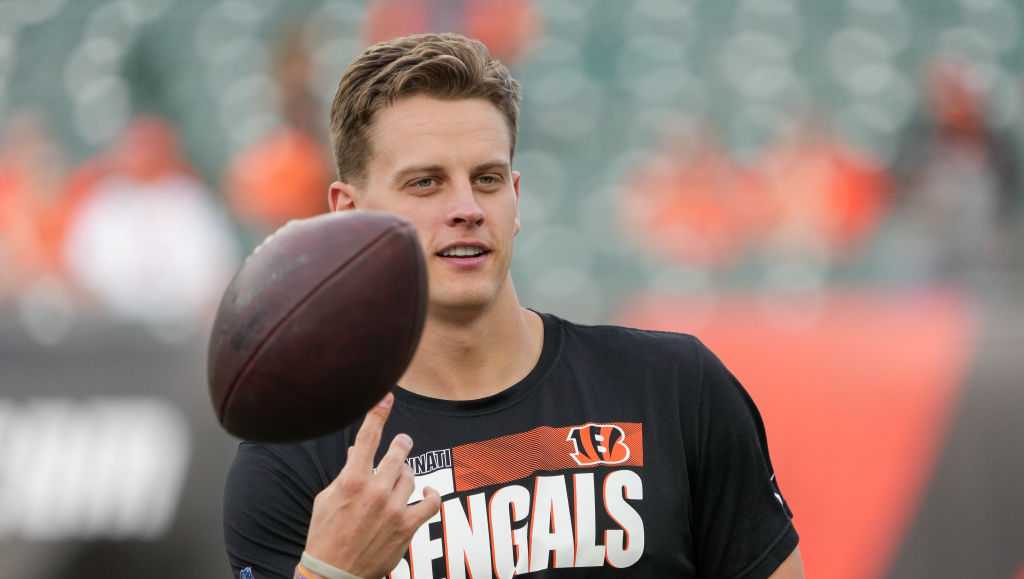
(273, 330)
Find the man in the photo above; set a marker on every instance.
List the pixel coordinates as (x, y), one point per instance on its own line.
(520, 443)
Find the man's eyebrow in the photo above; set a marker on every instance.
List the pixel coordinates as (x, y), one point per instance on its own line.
(496, 165)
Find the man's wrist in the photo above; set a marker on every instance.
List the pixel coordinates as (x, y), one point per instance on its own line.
(303, 573)
(316, 569)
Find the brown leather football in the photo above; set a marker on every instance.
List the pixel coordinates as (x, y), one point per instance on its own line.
(319, 323)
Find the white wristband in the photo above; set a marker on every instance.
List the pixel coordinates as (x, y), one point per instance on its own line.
(324, 569)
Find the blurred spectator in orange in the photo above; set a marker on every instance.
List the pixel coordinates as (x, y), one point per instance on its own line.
(957, 177)
(695, 205)
(507, 27)
(828, 198)
(31, 175)
(286, 175)
(147, 241)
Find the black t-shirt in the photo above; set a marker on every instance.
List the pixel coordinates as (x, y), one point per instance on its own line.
(623, 453)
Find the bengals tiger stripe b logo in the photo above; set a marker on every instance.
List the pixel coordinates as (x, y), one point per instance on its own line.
(598, 444)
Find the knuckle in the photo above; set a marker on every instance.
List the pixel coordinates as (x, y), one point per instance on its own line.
(395, 458)
(366, 431)
(394, 511)
(377, 495)
(351, 485)
(401, 500)
(408, 526)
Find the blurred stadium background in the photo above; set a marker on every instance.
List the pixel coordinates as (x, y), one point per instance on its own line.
(828, 193)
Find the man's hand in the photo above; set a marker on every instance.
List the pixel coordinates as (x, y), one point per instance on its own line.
(362, 522)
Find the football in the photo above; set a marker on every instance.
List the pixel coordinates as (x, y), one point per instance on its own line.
(319, 323)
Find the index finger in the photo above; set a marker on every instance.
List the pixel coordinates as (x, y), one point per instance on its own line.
(368, 437)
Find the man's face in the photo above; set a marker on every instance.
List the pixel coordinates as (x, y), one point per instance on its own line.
(445, 166)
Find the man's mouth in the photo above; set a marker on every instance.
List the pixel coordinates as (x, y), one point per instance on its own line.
(463, 251)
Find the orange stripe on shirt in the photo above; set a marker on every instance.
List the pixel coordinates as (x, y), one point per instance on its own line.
(517, 456)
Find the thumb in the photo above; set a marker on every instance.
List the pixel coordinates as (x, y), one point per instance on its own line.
(427, 508)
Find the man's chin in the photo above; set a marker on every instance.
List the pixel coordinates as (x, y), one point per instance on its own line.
(464, 302)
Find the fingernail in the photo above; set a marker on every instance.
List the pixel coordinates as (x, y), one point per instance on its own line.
(387, 401)
(403, 440)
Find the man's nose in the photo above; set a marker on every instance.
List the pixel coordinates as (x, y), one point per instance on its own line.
(465, 210)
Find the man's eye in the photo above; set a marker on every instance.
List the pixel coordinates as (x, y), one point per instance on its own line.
(424, 183)
(489, 179)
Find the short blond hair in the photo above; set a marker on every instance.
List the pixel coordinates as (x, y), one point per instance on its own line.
(445, 66)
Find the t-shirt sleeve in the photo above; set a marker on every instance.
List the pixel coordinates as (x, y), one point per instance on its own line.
(742, 525)
(267, 508)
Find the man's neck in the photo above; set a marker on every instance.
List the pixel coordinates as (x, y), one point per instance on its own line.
(473, 356)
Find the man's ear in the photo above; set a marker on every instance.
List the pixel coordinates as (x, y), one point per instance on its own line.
(341, 196)
(515, 187)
